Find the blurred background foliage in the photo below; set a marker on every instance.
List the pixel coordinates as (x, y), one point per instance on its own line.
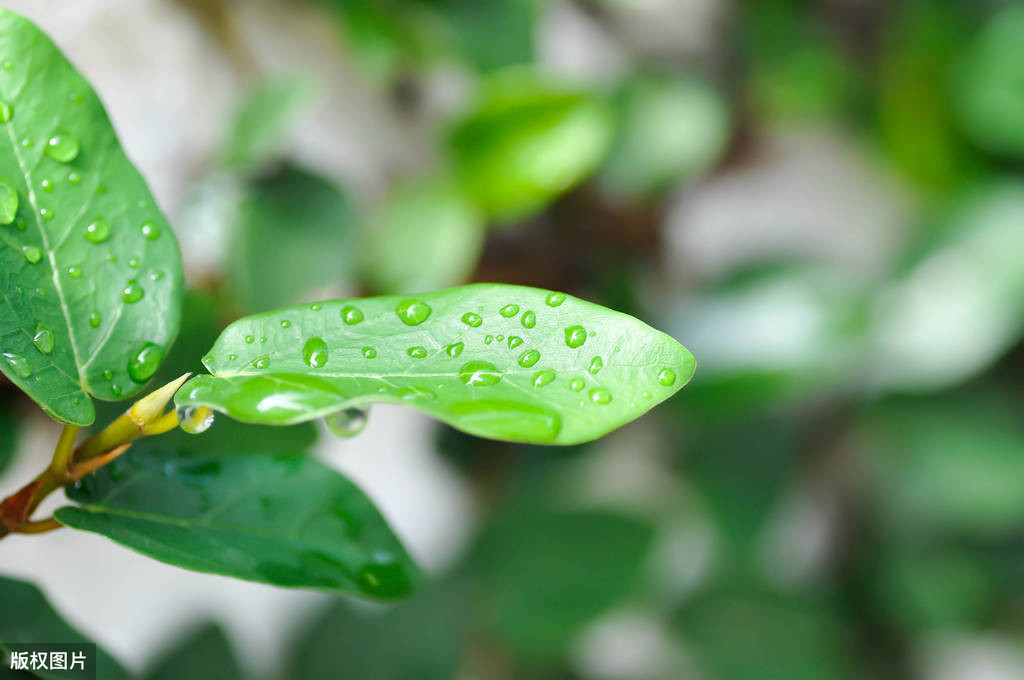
(824, 200)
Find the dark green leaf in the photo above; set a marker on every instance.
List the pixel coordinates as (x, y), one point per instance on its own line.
(491, 34)
(26, 617)
(283, 520)
(262, 120)
(205, 654)
(8, 433)
(498, 361)
(89, 268)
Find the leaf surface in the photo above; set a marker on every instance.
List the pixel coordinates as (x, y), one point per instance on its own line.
(498, 361)
(90, 273)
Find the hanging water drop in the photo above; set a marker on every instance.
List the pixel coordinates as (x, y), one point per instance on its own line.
(314, 353)
(195, 419)
(413, 312)
(348, 422)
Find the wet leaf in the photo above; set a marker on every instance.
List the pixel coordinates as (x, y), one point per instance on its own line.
(497, 361)
(89, 268)
(283, 520)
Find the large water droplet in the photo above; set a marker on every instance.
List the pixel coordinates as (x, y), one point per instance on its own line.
(600, 395)
(542, 378)
(348, 422)
(413, 312)
(43, 339)
(18, 364)
(314, 353)
(529, 319)
(98, 231)
(596, 364)
(31, 253)
(133, 292)
(369, 352)
(554, 299)
(351, 315)
(144, 363)
(62, 148)
(417, 352)
(508, 311)
(6, 112)
(195, 419)
(94, 319)
(150, 230)
(8, 203)
(472, 320)
(455, 349)
(666, 377)
(514, 341)
(575, 336)
(529, 358)
(479, 373)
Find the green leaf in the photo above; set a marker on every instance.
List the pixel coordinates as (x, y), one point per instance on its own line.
(425, 236)
(293, 236)
(528, 142)
(262, 120)
(282, 520)
(205, 654)
(544, 575)
(491, 34)
(27, 617)
(89, 269)
(498, 361)
(8, 433)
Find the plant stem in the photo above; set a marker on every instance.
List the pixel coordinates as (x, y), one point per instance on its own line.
(65, 449)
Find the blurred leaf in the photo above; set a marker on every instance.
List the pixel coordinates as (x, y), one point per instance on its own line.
(27, 617)
(959, 303)
(8, 434)
(490, 34)
(205, 654)
(504, 362)
(294, 236)
(671, 130)
(90, 274)
(987, 88)
(545, 575)
(424, 236)
(284, 520)
(263, 119)
(418, 638)
(528, 141)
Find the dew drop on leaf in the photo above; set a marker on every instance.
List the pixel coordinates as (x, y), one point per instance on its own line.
(47, 185)
(31, 253)
(575, 336)
(46, 213)
(413, 312)
(143, 364)
(508, 311)
(666, 377)
(249, 339)
(62, 148)
(195, 419)
(43, 339)
(150, 230)
(75, 271)
(285, 323)
(472, 320)
(98, 231)
(417, 352)
(554, 299)
(261, 362)
(455, 349)
(514, 341)
(596, 364)
(369, 352)
(115, 389)
(351, 315)
(529, 319)
(314, 353)
(529, 358)
(348, 422)
(479, 373)
(542, 378)
(6, 112)
(133, 292)
(576, 384)
(600, 395)
(18, 364)
(8, 203)
(94, 319)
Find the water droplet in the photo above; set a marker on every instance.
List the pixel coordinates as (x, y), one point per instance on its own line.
(133, 263)
(115, 389)
(576, 384)
(41, 292)
(542, 378)
(111, 258)
(249, 339)
(472, 320)
(529, 319)
(529, 358)
(667, 376)
(195, 419)
(413, 312)
(47, 185)
(8, 203)
(46, 213)
(455, 349)
(261, 362)
(31, 253)
(43, 339)
(479, 373)
(133, 292)
(369, 352)
(6, 112)
(417, 352)
(232, 356)
(600, 395)
(75, 272)
(74, 177)
(18, 364)
(348, 422)
(263, 339)
(94, 319)
(285, 323)
(143, 365)
(108, 374)
(646, 395)
(508, 311)
(514, 341)
(488, 339)
(596, 364)
(98, 231)
(62, 148)
(156, 275)
(150, 230)
(314, 353)
(575, 336)
(554, 299)
(351, 315)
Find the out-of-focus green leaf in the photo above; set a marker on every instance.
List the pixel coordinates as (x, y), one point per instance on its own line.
(671, 130)
(285, 520)
(490, 34)
(946, 464)
(263, 119)
(8, 434)
(498, 361)
(90, 274)
(205, 654)
(27, 617)
(424, 236)
(987, 88)
(294, 235)
(959, 303)
(417, 638)
(543, 575)
(528, 141)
